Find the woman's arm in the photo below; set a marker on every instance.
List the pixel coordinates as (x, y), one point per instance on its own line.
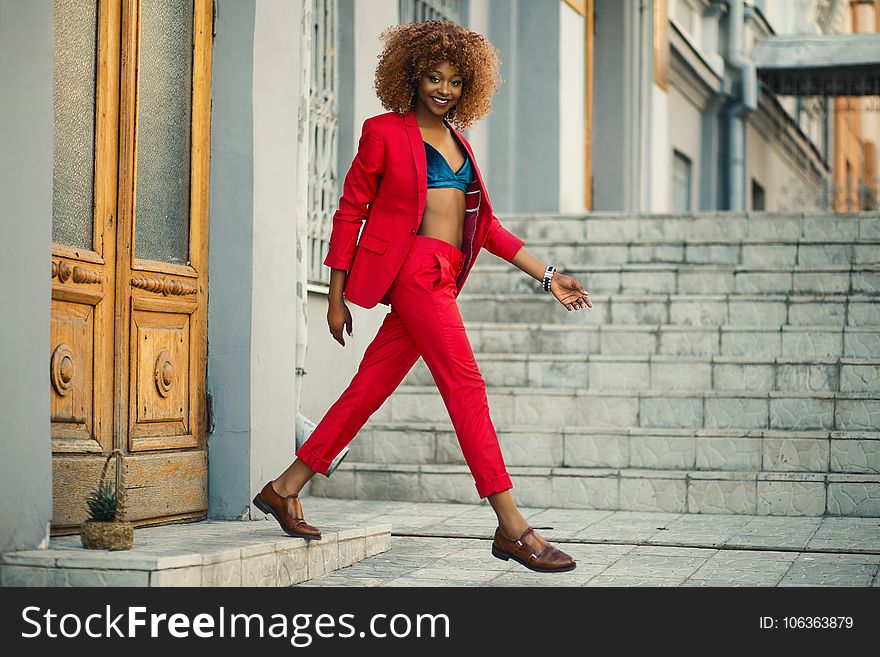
(504, 244)
(566, 289)
(359, 190)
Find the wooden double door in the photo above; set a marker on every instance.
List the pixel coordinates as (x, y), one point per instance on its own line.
(132, 82)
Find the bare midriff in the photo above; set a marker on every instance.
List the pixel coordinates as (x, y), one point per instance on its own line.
(444, 215)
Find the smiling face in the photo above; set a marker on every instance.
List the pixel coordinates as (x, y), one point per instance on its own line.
(439, 89)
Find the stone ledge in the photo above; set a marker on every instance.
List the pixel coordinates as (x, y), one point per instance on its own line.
(750, 492)
(207, 553)
(690, 266)
(600, 471)
(593, 430)
(406, 391)
(510, 299)
(664, 359)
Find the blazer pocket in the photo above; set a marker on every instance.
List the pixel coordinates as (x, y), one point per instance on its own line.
(373, 243)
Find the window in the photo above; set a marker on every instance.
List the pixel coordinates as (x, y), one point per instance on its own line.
(758, 202)
(416, 11)
(681, 182)
(324, 132)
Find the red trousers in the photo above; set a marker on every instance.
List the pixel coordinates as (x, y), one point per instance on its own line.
(424, 320)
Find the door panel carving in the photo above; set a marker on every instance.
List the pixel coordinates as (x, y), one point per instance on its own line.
(160, 343)
(70, 368)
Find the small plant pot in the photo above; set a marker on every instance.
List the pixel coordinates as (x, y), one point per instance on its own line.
(107, 534)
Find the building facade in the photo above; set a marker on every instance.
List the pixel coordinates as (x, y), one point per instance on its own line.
(178, 162)
(684, 125)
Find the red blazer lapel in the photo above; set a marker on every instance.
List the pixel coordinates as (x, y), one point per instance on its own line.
(417, 146)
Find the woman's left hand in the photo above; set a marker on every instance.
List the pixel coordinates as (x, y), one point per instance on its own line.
(569, 292)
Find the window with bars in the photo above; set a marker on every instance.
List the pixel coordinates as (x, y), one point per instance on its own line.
(324, 134)
(416, 11)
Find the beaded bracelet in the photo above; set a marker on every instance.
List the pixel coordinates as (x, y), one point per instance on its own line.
(548, 276)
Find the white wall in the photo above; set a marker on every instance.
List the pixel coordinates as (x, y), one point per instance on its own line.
(273, 320)
(791, 16)
(370, 18)
(26, 55)
(661, 152)
(330, 366)
(685, 121)
(572, 109)
(784, 188)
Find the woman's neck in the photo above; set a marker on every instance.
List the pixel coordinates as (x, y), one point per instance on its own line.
(428, 120)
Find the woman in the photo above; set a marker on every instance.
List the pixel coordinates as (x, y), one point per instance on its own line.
(415, 181)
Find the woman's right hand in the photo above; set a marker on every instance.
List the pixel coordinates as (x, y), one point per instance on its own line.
(339, 316)
(569, 292)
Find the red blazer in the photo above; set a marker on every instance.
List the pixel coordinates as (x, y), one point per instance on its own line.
(387, 186)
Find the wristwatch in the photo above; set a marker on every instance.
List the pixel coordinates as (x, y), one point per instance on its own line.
(548, 276)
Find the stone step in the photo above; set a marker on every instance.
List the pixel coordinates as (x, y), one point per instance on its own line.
(630, 489)
(771, 341)
(710, 409)
(705, 226)
(676, 309)
(852, 452)
(688, 279)
(208, 553)
(770, 252)
(664, 372)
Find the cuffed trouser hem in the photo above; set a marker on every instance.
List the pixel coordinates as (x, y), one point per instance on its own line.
(500, 484)
(312, 460)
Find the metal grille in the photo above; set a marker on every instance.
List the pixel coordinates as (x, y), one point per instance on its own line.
(416, 11)
(324, 133)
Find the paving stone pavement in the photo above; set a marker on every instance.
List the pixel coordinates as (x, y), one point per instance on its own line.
(436, 544)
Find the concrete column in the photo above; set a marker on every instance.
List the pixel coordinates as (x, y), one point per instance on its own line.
(346, 140)
(646, 100)
(478, 135)
(572, 109)
(710, 165)
(866, 19)
(524, 125)
(617, 122)
(659, 175)
(230, 267)
(252, 296)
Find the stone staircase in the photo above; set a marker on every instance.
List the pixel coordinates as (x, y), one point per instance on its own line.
(730, 364)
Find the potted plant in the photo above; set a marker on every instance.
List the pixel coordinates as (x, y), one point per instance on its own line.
(102, 530)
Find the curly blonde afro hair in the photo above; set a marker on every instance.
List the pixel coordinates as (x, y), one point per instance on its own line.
(412, 49)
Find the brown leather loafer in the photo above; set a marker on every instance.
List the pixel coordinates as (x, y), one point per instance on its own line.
(287, 511)
(532, 552)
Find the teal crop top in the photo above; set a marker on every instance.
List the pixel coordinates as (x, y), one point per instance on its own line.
(440, 174)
